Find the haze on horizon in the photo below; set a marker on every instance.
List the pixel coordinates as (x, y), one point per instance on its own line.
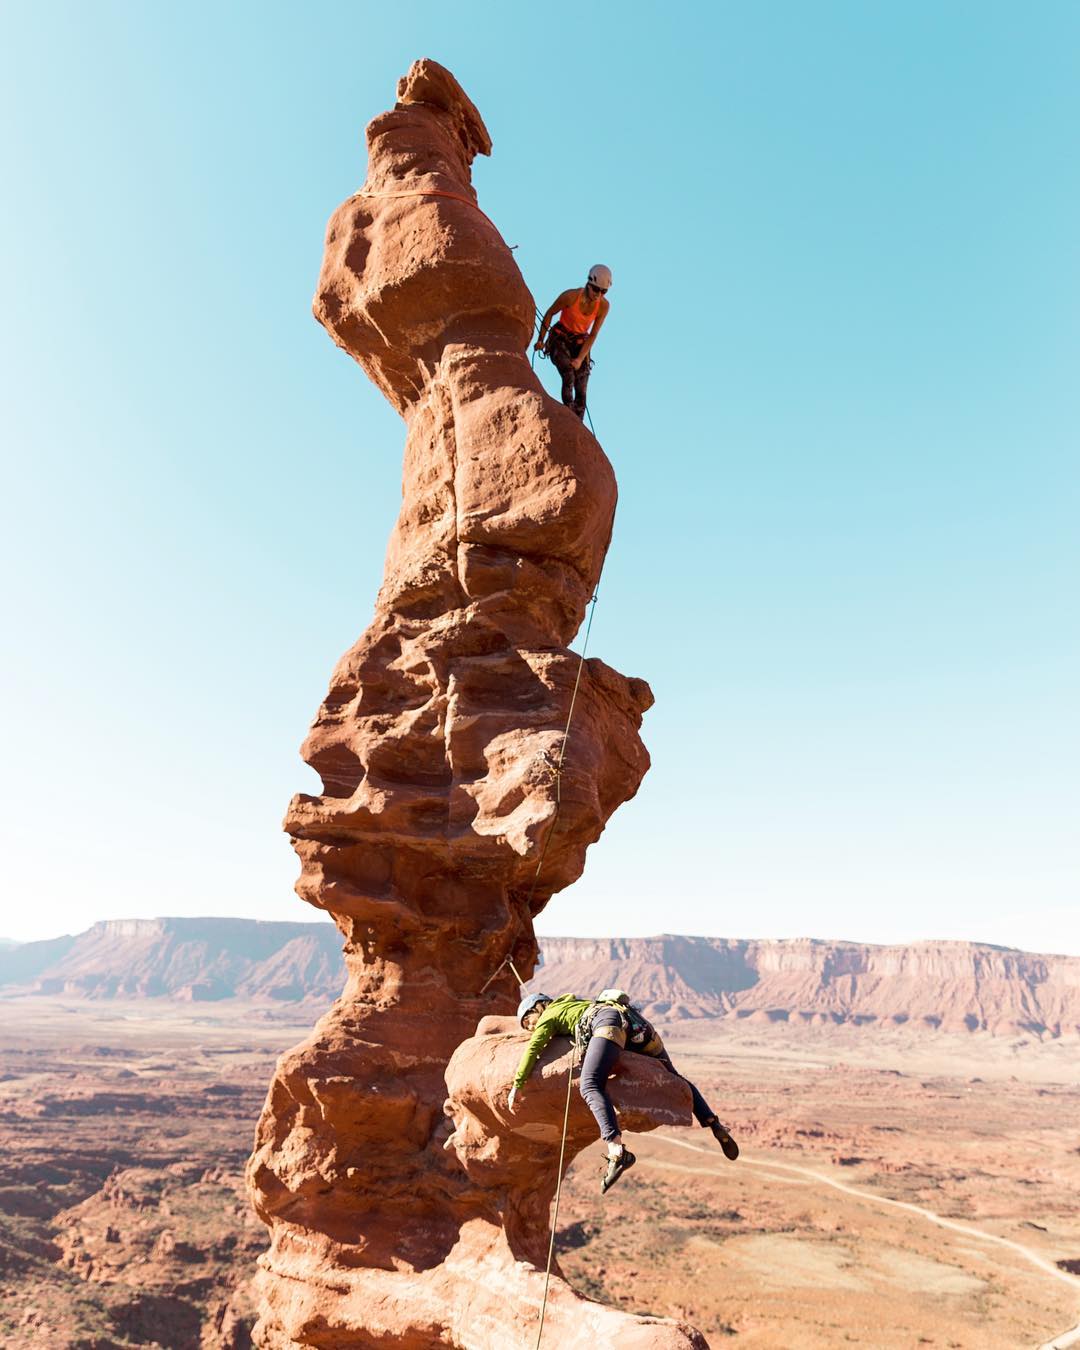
(838, 386)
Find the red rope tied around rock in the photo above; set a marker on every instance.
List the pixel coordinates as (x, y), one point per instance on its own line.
(437, 192)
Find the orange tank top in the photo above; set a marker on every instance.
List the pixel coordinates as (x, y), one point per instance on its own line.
(574, 320)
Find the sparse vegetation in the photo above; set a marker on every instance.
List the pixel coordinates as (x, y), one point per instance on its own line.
(124, 1224)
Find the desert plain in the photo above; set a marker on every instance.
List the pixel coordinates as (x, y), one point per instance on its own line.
(897, 1187)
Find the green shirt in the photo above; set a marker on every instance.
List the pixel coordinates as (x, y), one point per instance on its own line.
(558, 1019)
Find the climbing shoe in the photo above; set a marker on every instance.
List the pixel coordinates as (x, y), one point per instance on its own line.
(616, 1166)
(730, 1147)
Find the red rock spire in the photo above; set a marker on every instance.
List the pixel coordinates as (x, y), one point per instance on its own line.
(435, 746)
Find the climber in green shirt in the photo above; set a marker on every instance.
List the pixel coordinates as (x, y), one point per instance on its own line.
(546, 1018)
(605, 1022)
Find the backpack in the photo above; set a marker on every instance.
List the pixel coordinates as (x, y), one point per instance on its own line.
(641, 1036)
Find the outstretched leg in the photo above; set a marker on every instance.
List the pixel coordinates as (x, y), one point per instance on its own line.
(560, 359)
(703, 1112)
(581, 384)
(605, 1047)
(600, 1060)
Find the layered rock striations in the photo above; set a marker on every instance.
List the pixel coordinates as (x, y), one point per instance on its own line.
(926, 986)
(196, 959)
(512, 1164)
(438, 747)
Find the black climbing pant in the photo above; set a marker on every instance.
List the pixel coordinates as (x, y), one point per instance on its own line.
(602, 1054)
(563, 348)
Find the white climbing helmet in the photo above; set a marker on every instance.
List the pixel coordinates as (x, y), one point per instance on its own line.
(613, 996)
(529, 1002)
(600, 276)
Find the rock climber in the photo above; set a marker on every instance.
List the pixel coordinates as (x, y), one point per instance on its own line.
(582, 311)
(605, 1026)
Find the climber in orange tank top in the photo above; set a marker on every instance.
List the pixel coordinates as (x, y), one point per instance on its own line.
(581, 314)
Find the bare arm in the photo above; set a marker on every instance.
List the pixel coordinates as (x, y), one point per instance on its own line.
(556, 306)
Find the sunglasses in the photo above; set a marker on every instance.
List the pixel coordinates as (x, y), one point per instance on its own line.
(600, 290)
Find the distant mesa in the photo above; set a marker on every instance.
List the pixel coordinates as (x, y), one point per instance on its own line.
(195, 960)
(925, 986)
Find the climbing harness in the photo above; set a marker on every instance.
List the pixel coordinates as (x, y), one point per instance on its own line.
(641, 1035)
(506, 961)
(557, 768)
(544, 354)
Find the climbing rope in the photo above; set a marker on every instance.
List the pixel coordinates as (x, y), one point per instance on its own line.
(558, 1193)
(506, 961)
(539, 324)
(458, 197)
(521, 983)
(566, 737)
(557, 768)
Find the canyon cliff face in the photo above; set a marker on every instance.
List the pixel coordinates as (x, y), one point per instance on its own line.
(438, 746)
(197, 960)
(924, 986)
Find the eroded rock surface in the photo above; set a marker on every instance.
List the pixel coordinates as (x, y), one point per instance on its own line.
(437, 746)
(512, 1161)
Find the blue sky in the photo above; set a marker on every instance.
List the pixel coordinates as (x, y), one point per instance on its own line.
(838, 386)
